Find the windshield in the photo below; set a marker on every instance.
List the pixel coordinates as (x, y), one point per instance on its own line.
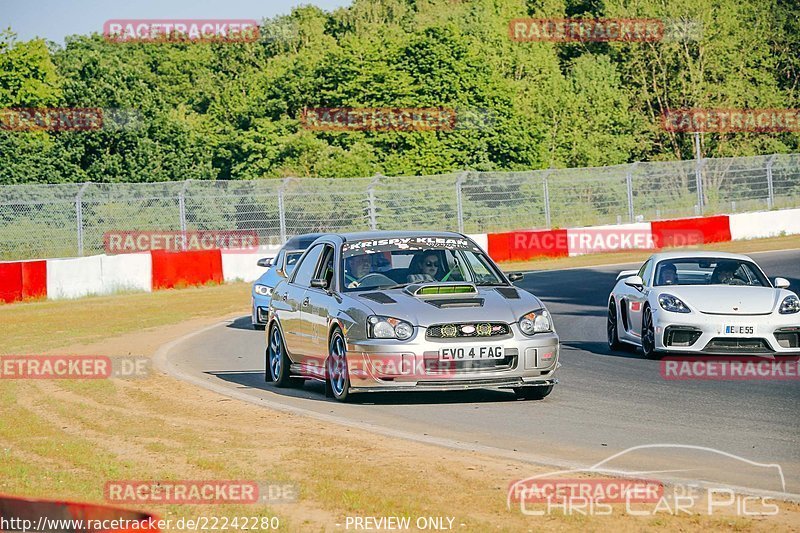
(709, 271)
(388, 263)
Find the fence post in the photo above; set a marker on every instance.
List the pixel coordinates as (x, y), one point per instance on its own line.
(281, 210)
(79, 216)
(371, 210)
(547, 219)
(698, 174)
(629, 185)
(770, 190)
(182, 212)
(459, 203)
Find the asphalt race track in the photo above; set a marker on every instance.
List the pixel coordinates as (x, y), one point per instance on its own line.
(605, 402)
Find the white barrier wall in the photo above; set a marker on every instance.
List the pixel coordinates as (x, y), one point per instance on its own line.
(481, 239)
(74, 277)
(764, 224)
(242, 265)
(127, 272)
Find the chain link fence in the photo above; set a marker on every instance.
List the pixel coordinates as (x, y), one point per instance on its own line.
(67, 220)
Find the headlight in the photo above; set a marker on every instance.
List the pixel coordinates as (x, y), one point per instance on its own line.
(263, 290)
(384, 327)
(536, 322)
(670, 303)
(789, 305)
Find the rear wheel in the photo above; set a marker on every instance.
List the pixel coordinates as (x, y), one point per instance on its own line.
(649, 336)
(533, 393)
(612, 327)
(338, 378)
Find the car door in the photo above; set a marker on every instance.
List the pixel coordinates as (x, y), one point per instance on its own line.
(296, 331)
(636, 299)
(316, 313)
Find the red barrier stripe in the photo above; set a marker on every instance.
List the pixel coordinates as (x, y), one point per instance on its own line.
(523, 245)
(683, 231)
(10, 282)
(176, 269)
(34, 279)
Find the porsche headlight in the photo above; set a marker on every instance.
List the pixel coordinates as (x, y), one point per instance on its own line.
(673, 304)
(263, 290)
(789, 305)
(384, 327)
(536, 322)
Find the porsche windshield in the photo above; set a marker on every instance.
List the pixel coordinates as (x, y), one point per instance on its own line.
(384, 263)
(709, 271)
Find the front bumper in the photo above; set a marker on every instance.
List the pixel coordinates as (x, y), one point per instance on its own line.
(389, 365)
(710, 334)
(259, 310)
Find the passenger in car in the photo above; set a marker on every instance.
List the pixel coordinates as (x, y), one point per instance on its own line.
(424, 267)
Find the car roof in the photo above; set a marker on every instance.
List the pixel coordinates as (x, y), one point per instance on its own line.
(688, 254)
(301, 242)
(395, 234)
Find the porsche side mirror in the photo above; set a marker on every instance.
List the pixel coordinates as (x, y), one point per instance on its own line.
(635, 282)
(265, 262)
(515, 276)
(782, 283)
(319, 283)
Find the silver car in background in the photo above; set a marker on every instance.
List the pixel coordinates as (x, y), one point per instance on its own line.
(403, 311)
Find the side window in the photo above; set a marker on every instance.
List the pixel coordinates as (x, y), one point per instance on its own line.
(648, 272)
(326, 266)
(644, 267)
(305, 270)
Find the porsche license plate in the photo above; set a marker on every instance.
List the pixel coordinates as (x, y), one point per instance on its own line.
(738, 330)
(471, 353)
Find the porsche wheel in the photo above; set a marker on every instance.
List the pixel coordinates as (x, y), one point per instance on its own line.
(649, 336)
(612, 328)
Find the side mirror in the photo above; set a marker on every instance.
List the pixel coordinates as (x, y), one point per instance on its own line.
(635, 282)
(782, 283)
(265, 262)
(319, 283)
(516, 276)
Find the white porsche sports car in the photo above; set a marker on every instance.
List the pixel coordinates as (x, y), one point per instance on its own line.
(705, 303)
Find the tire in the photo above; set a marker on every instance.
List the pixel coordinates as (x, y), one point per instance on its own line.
(612, 328)
(533, 393)
(337, 378)
(277, 367)
(649, 336)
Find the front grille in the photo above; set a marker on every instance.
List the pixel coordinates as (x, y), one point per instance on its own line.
(737, 345)
(681, 336)
(467, 329)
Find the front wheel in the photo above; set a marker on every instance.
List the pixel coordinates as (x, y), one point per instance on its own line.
(649, 336)
(533, 393)
(338, 378)
(612, 328)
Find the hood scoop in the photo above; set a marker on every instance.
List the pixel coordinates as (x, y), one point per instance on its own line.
(509, 293)
(441, 289)
(379, 297)
(448, 303)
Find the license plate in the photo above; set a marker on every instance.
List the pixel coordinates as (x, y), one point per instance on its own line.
(471, 353)
(738, 330)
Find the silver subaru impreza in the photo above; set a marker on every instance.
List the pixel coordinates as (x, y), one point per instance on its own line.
(401, 311)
